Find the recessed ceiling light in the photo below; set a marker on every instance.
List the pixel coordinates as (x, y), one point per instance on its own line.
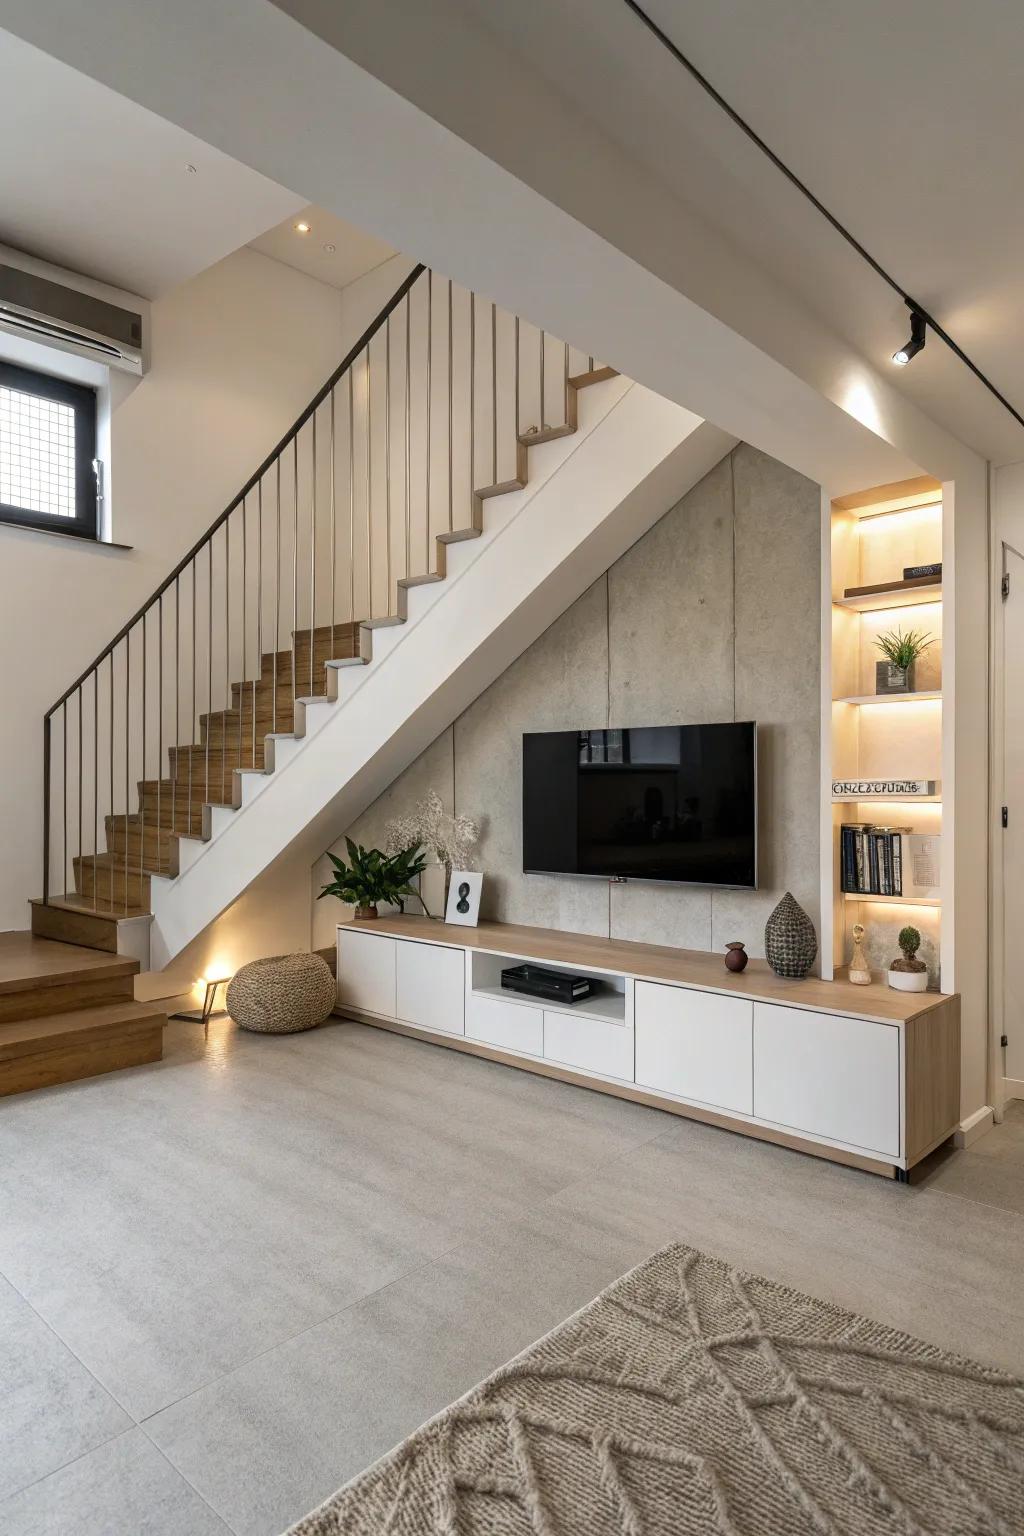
(329, 248)
(302, 228)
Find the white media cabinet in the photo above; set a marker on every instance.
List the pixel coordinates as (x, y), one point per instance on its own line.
(861, 1075)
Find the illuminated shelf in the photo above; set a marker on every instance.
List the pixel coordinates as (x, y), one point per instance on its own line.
(896, 901)
(890, 698)
(892, 594)
(886, 800)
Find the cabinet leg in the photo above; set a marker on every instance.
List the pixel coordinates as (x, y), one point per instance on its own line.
(902, 1175)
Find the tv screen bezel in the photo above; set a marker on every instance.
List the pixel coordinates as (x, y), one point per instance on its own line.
(700, 885)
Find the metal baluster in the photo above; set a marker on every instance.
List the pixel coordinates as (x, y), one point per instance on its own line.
(245, 648)
(160, 717)
(46, 810)
(312, 567)
(430, 349)
(227, 663)
(334, 537)
(95, 781)
(177, 706)
(565, 386)
(81, 862)
(494, 393)
(351, 499)
(209, 667)
(408, 432)
(369, 490)
(127, 764)
(110, 864)
(277, 600)
(516, 344)
(451, 461)
(295, 568)
(387, 461)
(472, 397)
(142, 807)
(64, 781)
(542, 353)
(258, 672)
(193, 719)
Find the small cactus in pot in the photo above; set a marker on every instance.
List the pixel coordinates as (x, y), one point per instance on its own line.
(907, 973)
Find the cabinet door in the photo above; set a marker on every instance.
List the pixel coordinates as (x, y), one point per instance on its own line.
(366, 971)
(828, 1075)
(431, 985)
(696, 1045)
(512, 1026)
(593, 1045)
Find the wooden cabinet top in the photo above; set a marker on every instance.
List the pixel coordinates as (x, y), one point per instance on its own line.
(657, 962)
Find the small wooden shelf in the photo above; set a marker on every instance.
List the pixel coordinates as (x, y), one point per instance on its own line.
(892, 594)
(923, 697)
(609, 1007)
(896, 901)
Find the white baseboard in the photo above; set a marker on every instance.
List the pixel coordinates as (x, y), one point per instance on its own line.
(1013, 1087)
(974, 1126)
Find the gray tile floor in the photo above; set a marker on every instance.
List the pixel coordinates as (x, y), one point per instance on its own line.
(231, 1280)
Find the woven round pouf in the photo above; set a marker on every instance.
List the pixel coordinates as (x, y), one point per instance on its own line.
(281, 995)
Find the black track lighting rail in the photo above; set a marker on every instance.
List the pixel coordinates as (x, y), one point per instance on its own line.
(802, 187)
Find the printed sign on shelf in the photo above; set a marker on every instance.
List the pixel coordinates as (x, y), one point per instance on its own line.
(883, 789)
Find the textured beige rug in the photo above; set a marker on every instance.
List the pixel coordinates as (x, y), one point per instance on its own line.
(690, 1398)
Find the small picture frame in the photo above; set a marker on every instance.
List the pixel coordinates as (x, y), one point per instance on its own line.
(464, 898)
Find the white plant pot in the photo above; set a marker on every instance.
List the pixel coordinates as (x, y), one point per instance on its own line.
(908, 981)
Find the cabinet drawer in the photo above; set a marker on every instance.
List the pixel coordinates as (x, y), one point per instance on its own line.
(696, 1045)
(828, 1075)
(431, 986)
(593, 1045)
(366, 971)
(512, 1026)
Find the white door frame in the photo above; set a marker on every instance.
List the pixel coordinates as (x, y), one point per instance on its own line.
(1007, 502)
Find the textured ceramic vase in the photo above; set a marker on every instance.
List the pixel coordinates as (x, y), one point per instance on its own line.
(790, 943)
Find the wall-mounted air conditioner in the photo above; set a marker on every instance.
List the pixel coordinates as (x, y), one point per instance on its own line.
(63, 317)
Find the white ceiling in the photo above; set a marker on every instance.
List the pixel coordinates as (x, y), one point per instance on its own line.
(906, 120)
(96, 184)
(333, 251)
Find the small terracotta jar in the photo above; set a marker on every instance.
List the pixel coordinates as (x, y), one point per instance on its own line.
(736, 956)
(365, 914)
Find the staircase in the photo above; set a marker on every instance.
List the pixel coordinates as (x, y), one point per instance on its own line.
(454, 485)
(68, 1012)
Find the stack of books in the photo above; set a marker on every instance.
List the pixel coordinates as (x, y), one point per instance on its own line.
(872, 859)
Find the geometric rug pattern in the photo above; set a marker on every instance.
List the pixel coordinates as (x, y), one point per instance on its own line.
(690, 1399)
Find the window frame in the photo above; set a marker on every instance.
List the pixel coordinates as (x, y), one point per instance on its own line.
(82, 399)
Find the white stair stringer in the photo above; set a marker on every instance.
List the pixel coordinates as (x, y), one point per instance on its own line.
(589, 497)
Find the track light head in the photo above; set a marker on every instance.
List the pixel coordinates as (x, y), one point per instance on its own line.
(918, 337)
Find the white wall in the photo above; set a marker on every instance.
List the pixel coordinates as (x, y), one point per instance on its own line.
(235, 355)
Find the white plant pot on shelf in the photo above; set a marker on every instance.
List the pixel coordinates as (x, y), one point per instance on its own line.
(908, 981)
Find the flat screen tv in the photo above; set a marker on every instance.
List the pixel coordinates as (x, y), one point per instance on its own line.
(667, 802)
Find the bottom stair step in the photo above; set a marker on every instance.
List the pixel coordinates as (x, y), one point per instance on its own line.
(62, 1047)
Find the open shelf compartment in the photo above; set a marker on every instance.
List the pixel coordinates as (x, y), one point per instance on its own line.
(609, 1004)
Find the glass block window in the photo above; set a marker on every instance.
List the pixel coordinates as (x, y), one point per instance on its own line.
(47, 448)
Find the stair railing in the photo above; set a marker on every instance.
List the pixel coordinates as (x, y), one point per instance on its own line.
(422, 418)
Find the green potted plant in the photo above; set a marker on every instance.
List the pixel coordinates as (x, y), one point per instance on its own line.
(372, 876)
(896, 673)
(908, 973)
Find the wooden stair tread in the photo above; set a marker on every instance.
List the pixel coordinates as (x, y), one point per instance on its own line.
(21, 1037)
(106, 910)
(27, 961)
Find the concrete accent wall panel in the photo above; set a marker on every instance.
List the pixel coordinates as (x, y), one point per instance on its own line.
(778, 573)
(712, 615)
(559, 683)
